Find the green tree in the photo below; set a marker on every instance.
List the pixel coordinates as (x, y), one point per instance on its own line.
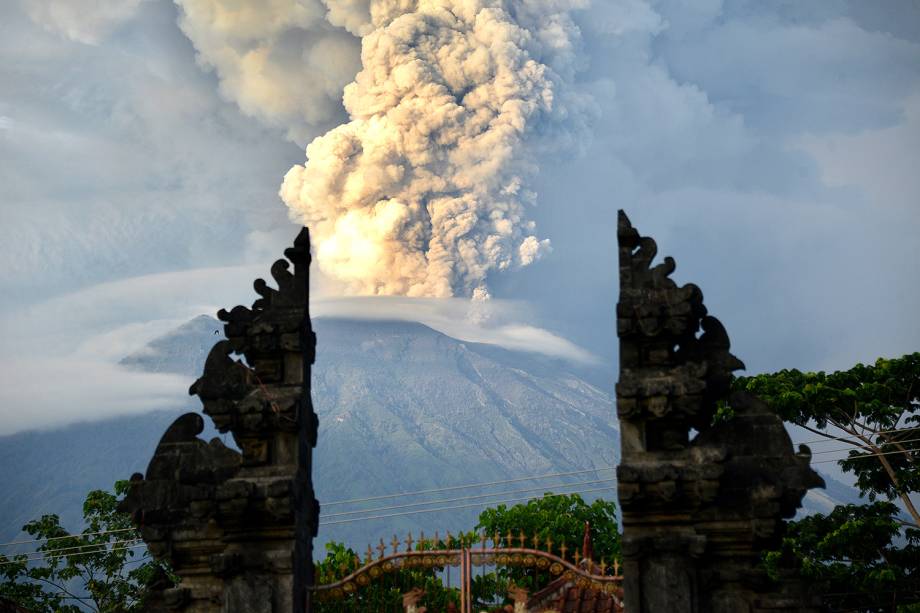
(875, 410)
(559, 520)
(100, 569)
(863, 557)
(385, 593)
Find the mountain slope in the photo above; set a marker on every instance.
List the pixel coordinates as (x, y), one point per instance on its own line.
(402, 408)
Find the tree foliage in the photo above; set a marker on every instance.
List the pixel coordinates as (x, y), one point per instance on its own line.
(559, 519)
(386, 593)
(98, 569)
(874, 409)
(862, 557)
(857, 554)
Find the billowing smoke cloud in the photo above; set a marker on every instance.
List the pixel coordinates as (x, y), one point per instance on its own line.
(424, 192)
(281, 61)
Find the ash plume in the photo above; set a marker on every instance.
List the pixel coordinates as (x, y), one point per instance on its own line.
(281, 61)
(423, 190)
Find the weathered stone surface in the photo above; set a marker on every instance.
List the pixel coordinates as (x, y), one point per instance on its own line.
(696, 513)
(238, 528)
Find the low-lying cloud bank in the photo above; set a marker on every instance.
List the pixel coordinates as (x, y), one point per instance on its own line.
(54, 392)
(59, 362)
(495, 322)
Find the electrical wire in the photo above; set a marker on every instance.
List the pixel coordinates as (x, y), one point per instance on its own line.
(419, 504)
(461, 487)
(910, 440)
(357, 500)
(75, 553)
(865, 455)
(465, 506)
(92, 547)
(829, 438)
(53, 538)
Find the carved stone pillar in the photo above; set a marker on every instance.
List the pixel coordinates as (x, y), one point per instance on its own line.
(238, 528)
(696, 513)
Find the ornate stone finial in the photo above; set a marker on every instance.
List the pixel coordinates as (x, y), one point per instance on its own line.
(696, 511)
(657, 323)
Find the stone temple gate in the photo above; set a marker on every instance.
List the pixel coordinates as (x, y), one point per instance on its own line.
(238, 528)
(697, 513)
(701, 499)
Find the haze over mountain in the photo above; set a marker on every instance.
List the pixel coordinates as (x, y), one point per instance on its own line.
(402, 408)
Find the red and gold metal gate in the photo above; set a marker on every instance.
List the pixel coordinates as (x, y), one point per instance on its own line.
(579, 572)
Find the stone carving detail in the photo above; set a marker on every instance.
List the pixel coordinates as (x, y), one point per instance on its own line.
(237, 528)
(696, 513)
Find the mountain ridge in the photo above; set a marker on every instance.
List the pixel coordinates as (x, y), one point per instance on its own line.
(402, 408)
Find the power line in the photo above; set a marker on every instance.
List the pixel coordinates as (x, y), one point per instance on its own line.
(42, 556)
(54, 538)
(419, 504)
(92, 547)
(461, 487)
(465, 506)
(46, 555)
(454, 488)
(865, 455)
(830, 438)
(355, 500)
(910, 440)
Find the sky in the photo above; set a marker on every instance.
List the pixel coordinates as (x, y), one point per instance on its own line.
(771, 148)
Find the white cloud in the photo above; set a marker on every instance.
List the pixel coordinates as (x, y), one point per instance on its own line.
(502, 323)
(73, 319)
(58, 363)
(48, 393)
(788, 77)
(114, 177)
(624, 17)
(279, 60)
(882, 163)
(59, 359)
(84, 21)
